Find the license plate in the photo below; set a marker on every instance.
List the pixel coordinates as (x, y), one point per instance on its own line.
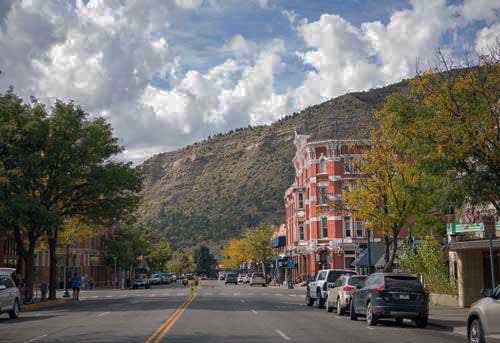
(404, 296)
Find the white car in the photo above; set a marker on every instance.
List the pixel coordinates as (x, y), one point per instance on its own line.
(483, 320)
(9, 294)
(257, 279)
(241, 278)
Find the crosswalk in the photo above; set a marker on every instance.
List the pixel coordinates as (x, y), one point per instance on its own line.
(183, 293)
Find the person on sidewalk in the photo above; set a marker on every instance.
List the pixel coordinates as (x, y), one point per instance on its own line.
(75, 285)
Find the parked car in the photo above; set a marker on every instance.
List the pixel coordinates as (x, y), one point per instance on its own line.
(231, 278)
(339, 296)
(391, 295)
(9, 294)
(156, 279)
(317, 288)
(483, 319)
(241, 278)
(258, 279)
(141, 281)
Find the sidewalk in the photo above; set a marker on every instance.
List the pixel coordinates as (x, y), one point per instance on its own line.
(451, 319)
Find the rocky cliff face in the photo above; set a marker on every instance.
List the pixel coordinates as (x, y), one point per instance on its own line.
(208, 191)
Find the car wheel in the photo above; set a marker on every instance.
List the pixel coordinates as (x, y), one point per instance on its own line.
(15, 310)
(476, 334)
(371, 317)
(320, 301)
(399, 321)
(421, 322)
(352, 312)
(340, 308)
(309, 300)
(328, 307)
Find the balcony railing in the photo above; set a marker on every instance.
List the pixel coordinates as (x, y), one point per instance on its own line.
(457, 229)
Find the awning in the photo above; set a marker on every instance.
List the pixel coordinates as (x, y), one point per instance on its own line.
(376, 251)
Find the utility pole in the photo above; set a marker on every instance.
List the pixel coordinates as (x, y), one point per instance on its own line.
(490, 233)
(114, 272)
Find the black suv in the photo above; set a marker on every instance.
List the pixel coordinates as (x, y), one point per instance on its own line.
(389, 295)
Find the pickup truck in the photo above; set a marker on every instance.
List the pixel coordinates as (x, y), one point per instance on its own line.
(317, 288)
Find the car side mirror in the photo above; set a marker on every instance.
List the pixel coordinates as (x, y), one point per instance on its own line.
(486, 292)
(3, 287)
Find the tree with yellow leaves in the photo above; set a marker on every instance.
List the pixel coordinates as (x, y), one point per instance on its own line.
(235, 254)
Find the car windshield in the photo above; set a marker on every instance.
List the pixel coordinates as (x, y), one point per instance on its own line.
(409, 282)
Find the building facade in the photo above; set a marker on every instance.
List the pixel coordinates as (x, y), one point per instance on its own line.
(320, 233)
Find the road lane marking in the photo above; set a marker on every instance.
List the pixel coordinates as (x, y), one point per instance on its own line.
(108, 296)
(370, 328)
(103, 314)
(254, 312)
(242, 301)
(36, 338)
(282, 335)
(293, 295)
(159, 333)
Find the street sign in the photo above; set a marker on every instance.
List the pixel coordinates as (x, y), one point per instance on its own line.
(291, 264)
(489, 227)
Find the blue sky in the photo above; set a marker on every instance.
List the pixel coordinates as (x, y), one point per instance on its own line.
(167, 73)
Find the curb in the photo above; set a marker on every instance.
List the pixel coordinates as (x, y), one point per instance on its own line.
(458, 330)
(44, 304)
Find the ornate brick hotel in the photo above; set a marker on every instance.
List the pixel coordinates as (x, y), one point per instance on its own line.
(320, 234)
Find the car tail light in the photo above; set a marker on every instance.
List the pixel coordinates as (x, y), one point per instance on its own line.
(348, 288)
(379, 289)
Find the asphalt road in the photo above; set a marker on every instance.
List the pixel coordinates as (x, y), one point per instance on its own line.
(216, 313)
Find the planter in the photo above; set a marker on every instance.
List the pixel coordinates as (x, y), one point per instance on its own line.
(444, 300)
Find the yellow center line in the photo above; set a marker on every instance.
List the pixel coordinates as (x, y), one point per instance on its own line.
(171, 323)
(151, 339)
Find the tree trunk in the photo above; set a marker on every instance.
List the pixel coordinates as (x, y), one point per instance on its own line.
(52, 238)
(26, 255)
(387, 249)
(390, 264)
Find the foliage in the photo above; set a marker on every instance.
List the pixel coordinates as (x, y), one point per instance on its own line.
(56, 166)
(234, 254)
(450, 124)
(204, 260)
(181, 263)
(158, 254)
(428, 260)
(389, 193)
(255, 245)
(127, 243)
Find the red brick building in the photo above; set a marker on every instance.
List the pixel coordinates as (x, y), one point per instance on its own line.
(319, 233)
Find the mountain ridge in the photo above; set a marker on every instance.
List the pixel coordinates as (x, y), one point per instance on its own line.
(209, 191)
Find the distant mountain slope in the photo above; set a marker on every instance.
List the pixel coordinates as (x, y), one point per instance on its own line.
(207, 192)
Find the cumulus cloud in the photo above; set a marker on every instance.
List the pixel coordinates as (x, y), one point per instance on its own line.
(117, 58)
(487, 39)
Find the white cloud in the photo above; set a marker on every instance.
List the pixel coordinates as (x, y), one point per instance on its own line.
(115, 58)
(487, 39)
(189, 4)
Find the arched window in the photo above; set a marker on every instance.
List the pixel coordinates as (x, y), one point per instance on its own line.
(322, 165)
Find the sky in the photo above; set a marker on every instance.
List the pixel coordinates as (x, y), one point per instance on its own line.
(167, 73)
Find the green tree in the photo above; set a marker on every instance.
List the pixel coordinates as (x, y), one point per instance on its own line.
(181, 262)
(126, 244)
(159, 253)
(428, 260)
(23, 136)
(204, 260)
(450, 124)
(257, 243)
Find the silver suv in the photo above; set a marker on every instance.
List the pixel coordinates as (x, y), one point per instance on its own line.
(317, 289)
(483, 320)
(9, 294)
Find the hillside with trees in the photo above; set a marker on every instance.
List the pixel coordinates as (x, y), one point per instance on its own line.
(209, 191)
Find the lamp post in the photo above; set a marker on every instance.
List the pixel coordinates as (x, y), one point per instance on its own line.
(368, 234)
(114, 272)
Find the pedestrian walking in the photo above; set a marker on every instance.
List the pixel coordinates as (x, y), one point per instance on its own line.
(75, 285)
